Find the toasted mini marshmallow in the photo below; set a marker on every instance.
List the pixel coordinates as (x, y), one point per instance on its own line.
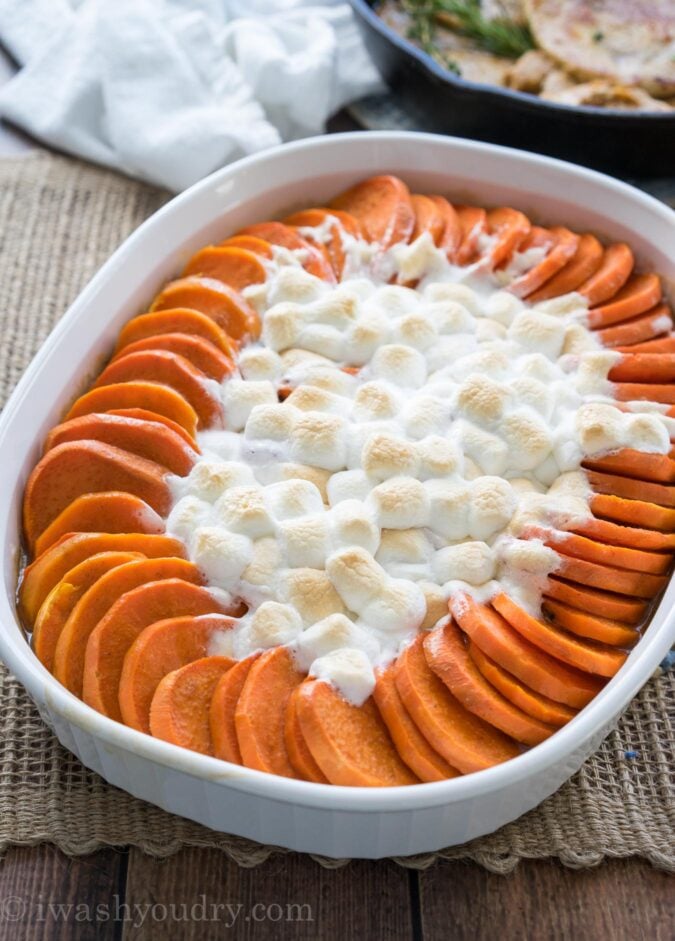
(304, 541)
(338, 309)
(647, 432)
(265, 561)
(222, 556)
(488, 451)
(528, 555)
(492, 503)
(313, 399)
(592, 371)
(324, 339)
(566, 305)
(532, 392)
(270, 422)
(365, 335)
(600, 427)
(348, 485)
(482, 400)
(385, 456)
(447, 291)
(416, 330)
(394, 299)
(274, 624)
(356, 576)
(333, 633)
(439, 457)
(311, 593)
(436, 602)
(528, 439)
(374, 401)
(409, 546)
(187, 515)
(243, 510)
(281, 326)
(538, 332)
(489, 330)
(579, 340)
(400, 365)
(208, 479)
(320, 439)
(352, 523)
(258, 364)
(331, 378)
(502, 306)
(425, 415)
(472, 562)
(450, 317)
(400, 606)
(315, 475)
(400, 503)
(241, 397)
(294, 284)
(417, 259)
(349, 670)
(448, 509)
(291, 498)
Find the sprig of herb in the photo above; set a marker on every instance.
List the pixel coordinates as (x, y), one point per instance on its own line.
(502, 37)
(422, 30)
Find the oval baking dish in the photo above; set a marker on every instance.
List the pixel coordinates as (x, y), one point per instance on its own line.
(333, 820)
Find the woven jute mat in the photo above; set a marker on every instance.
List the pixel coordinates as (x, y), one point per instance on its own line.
(59, 220)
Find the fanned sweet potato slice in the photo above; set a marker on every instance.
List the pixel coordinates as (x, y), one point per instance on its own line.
(152, 396)
(586, 625)
(250, 243)
(473, 224)
(161, 648)
(298, 753)
(133, 609)
(314, 259)
(615, 269)
(203, 354)
(654, 323)
(234, 266)
(383, 207)
(179, 711)
(223, 706)
(584, 655)
(171, 370)
(658, 468)
(639, 294)
(531, 702)
(652, 392)
(644, 367)
(500, 641)
(343, 223)
(614, 534)
(350, 743)
(144, 414)
(452, 229)
(176, 320)
(507, 228)
(77, 467)
(260, 714)
(620, 581)
(449, 659)
(582, 266)
(428, 218)
(563, 246)
(596, 602)
(630, 489)
(632, 511)
(59, 603)
(71, 649)
(49, 568)
(411, 745)
(216, 300)
(660, 345)
(463, 739)
(619, 557)
(150, 440)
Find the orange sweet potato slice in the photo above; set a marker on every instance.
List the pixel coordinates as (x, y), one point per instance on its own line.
(314, 259)
(632, 511)
(234, 266)
(260, 714)
(343, 222)
(644, 367)
(584, 655)
(563, 246)
(473, 224)
(77, 467)
(452, 228)
(49, 568)
(411, 745)
(601, 629)
(652, 391)
(111, 511)
(161, 648)
(171, 370)
(639, 294)
(383, 207)
(179, 711)
(582, 266)
(223, 706)
(145, 414)
(147, 395)
(531, 702)
(127, 615)
(596, 602)
(176, 320)
(463, 739)
(507, 228)
(620, 557)
(69, 657)
(630, 489)
(615, 269)
(614, 534)
(660, 345)
(647, 326)
(216, 300)
(533, 666)
(620, 581)
(203, 354)
(59, 603)
(428, 218)
(659, 468)
(298, 753)
(449, 659)
(250, 243)
(151, 440)
(350, 743)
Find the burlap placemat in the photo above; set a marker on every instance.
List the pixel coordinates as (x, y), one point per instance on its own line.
(59, 219)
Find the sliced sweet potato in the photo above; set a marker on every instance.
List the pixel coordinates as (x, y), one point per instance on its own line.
(644, 367)
(452, 229)
(223, 706)
(343, 222)
(411, 745)
(620, 581)
(216, 300)
(77, 467)
(428, 218)
(639, 294)
(582, 266)
(659, 468)
(630, 489)
(59, 603)
(203, 354)
(176, 320)
(71, 649)
(537, 669)
(651, 391)
(145, 414)
(620, 557)
(507, 228)
(449, 659)
(584, 655)
(350, 743)
(314, 259)
(298, 753)
(596, 602)
(111, 511)
(615, 269)
(531, 702)
(614, 534)
(160, 649)
(596, 628)
(473, 223)
(126, 617)
(171, 370)
(234, 266)
(179, 711)
(383, 207)
(630, 510)
(260, 715)
(151, 440)
(49, 568)
(563, 246)
(660, 345)
(463, 739)
(250, 243)
(146, 395)
(654, 323)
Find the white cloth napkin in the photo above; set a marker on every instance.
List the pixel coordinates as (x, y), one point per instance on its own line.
(170, 90)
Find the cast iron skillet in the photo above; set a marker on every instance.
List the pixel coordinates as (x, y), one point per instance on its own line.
(625, 143)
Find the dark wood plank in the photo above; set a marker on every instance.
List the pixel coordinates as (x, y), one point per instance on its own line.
(622, 900)
(288, 897)
(47, 896)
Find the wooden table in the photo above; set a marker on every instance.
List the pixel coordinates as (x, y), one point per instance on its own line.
(199, 894)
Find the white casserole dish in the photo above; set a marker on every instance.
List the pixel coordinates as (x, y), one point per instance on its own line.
(334, 821)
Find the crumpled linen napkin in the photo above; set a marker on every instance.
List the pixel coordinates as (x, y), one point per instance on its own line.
(170, 90)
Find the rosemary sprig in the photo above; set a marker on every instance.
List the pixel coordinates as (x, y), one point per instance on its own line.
(422, 29)
(502, 37)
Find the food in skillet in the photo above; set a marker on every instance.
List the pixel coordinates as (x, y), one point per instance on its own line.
(374, 495)
(602, 53)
